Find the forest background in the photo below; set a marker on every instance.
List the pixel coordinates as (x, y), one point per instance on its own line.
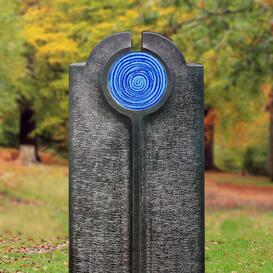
(232, 39)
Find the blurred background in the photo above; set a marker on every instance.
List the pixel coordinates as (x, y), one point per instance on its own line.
(231, 38)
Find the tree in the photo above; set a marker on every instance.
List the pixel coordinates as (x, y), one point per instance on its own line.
(67, 33)
(269, 108)
(231, 38)
(12, 66)
(209, 125)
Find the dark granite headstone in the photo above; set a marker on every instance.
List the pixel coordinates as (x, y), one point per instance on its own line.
(136, 163)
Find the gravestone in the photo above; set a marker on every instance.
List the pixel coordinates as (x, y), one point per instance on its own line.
(136, 159)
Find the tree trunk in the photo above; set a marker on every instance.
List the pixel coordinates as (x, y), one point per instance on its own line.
(209, 138)
(271, 145)
(269, 108)
(28, 144)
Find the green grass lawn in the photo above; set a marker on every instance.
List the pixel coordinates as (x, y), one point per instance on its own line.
(239, 241)
(34, 226)
(28, 255)
(33, 218)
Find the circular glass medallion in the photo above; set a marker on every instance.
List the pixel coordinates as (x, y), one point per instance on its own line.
(137, 81)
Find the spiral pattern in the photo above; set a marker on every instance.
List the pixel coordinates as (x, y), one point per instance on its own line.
(137, 81)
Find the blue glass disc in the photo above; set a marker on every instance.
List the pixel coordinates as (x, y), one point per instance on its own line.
(137, 81)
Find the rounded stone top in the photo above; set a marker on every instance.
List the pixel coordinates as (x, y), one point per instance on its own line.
(137, 81)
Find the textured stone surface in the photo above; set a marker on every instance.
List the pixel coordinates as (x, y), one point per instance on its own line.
(99, 173)
(100, 170)
(173, 169)
(173, 176)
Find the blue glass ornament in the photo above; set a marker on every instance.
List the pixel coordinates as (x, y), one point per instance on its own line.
(137, 81)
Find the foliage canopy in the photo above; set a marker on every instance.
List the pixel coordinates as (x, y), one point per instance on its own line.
(231, 38)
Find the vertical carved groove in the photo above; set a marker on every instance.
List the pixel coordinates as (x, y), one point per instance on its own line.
(137, 197)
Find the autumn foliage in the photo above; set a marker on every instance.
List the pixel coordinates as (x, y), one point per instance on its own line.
(233, 39)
